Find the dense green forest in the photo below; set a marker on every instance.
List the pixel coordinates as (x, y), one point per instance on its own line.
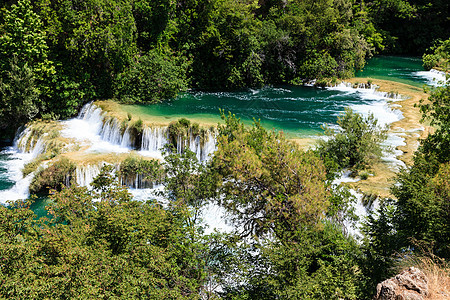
(57, 54)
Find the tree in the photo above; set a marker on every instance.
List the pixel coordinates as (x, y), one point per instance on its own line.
(422, 208)
(19, 96)
(189, 183)
(439, 56)
(356, 145)
(152, 78)
(24, 65)
(419, 214)
(322, 264)
(23, 37)
(268, 184)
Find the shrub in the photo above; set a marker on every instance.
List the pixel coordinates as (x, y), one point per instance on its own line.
(356, 145)
(363, 175)
(52, 177)
(146, 171)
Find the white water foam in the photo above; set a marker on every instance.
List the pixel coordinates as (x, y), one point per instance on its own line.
(88, 128)
(433, 77)
(215, 218)
(14, 166)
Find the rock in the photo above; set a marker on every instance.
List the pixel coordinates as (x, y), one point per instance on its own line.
(411, 284)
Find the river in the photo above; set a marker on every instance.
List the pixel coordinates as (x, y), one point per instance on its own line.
(298, 111)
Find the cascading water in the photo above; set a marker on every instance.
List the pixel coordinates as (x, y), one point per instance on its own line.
(26, 142)
(86, 174)
(26, 147)
(107, 134)
(154, 139)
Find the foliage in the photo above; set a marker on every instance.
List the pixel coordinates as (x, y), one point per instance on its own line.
(188, 182)
(439, 56)
(437, 111)
(23, 65)
(357, 143)
(180, 131)
(142, 51)
(19, 95)
(151, 78)
(23, 37)
(409, 26)
(113, 248)
(147, 171)
(420, 213)
(321, 264)
(268, 184)
(380, 244)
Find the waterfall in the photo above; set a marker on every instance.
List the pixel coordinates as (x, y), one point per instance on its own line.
(365, 89)
(110, 131)
(95, 132)
(86, 174)
(137, 181)
(153, 139)
(202, 150)
(26, 147)
(27, 142)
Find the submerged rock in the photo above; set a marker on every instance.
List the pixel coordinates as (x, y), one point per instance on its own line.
(411, 284)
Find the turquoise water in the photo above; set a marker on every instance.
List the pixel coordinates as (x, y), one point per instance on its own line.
(5, 181)
(395, 68)
(298, 111)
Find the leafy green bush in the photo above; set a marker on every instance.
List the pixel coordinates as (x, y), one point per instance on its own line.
(430, 61)
(356, 145)
(182, 128)
(147, 171)
(32, 165)
(364, 175)
(439, 56)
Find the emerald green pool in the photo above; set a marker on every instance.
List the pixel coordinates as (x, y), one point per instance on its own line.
(298, 111)
(395, 68)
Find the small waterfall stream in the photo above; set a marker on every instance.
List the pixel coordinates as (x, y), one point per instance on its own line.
(25, 148)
